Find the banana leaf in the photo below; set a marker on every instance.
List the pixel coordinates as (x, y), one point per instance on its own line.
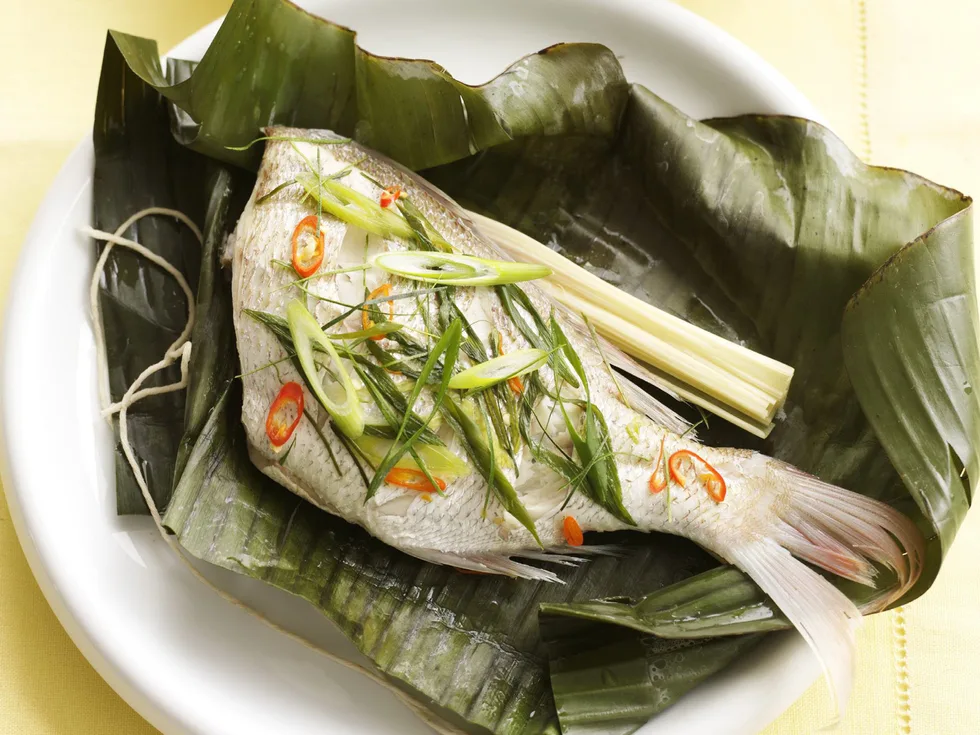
(611, 681)
(918, 311)
(139, 165)
(759, 228)
(722, 600)
(212, 339)
(271, 62)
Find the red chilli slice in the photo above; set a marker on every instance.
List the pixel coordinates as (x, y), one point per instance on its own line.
(572, 531)
(307, 246)
(710, 479)
(657, 484)
(366, 322)
(389, 196)
(284, 414)
(413, 480)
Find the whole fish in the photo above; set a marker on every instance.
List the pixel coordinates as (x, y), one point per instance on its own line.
(642, 470)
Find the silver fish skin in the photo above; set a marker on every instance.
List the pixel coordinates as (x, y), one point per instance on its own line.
(770, 512)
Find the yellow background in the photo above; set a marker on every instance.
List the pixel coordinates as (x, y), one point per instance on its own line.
(896, 78)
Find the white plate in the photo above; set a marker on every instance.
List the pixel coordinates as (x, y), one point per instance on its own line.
(184, 658)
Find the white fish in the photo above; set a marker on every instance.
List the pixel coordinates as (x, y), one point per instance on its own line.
(771, 515)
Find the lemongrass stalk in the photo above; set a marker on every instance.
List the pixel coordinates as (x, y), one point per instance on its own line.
(685, 392)
(705, 377)
(742, 365)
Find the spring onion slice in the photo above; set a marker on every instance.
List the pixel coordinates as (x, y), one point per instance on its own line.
(306, 334)
(438, 459)
(451, 269)
(499, 369)
(354, 208)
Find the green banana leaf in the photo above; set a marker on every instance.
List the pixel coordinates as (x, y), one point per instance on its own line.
(720, 600)
(139, 165)
(590, 662)
(228, 192)
(758, 228)
(918, 311)
(271, 62)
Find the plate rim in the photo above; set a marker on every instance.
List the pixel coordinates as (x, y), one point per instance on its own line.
(678, 21)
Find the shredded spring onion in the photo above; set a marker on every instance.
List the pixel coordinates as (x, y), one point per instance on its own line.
(714, 373)
(457, 270)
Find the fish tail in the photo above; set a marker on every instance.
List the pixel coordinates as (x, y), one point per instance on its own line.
(850, 535)
(821, 613)
(843, 533)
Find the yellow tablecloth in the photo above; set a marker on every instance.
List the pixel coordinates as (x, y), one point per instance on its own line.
(896, 78)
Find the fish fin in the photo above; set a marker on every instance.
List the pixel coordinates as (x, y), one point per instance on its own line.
(507, 566)
(841, 532)
(640, 400)
(487, 564)
(823, 615)
(597, 550)
(850, 535)
(552, 557)
(572, 555)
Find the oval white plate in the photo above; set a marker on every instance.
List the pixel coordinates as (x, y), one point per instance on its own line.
(184, 658)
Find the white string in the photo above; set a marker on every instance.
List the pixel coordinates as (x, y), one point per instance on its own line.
(181, 349)
(94, 306)
(131, 397)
